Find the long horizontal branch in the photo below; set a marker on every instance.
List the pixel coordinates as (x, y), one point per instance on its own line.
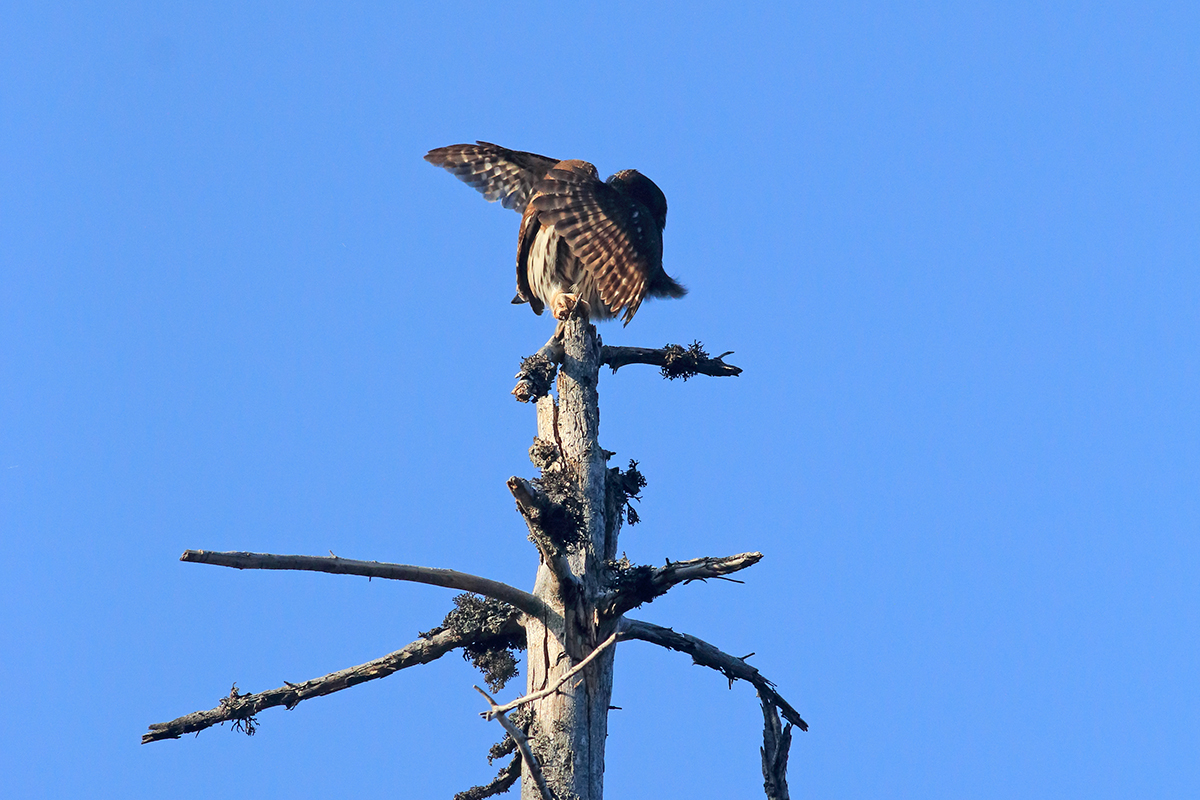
(242, 707)
(707, 655)
(675, 360)
(642, 584)
(375, 569)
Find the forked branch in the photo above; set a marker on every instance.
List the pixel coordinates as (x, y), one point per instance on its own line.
(707, 655)
(518, 736)
(242, 707)
(638, 585)
(376, 569)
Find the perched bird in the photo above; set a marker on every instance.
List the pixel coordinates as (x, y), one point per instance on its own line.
(582, 240)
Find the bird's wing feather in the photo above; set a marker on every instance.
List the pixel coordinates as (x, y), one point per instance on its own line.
(497, 172)
(614, 236)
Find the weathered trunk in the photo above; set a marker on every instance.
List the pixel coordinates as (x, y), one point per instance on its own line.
(575, 613)
(570, 726)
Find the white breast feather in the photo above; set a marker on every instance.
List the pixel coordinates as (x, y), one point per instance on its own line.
(542, 256)
(546, 278)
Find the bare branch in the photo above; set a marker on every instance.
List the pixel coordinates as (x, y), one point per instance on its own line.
(639, 585)
(551, 689)
(675, 360)
(375, 569)
(242, 707)
(518, 736)
(707, 655)
(500, 784)
(777, 741)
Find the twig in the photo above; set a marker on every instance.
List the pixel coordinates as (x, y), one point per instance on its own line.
(518, 736)
(376, 569)
(642, 584)
(501, 783)
(672, 358)
(549, 690)
(707, 655)
(777, 741)
(243, 707)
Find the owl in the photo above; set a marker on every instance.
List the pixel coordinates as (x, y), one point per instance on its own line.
(583, 242)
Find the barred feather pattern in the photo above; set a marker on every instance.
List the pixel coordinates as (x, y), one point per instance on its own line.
(601, 241)
(552, 269)
(612, 232)
(496, 172)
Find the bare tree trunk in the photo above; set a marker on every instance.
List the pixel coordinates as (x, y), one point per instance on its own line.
(575, 616)
(570, 726)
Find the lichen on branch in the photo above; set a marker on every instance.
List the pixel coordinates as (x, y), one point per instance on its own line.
(494, 640)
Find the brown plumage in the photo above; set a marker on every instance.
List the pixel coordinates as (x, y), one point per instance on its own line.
(581, 239)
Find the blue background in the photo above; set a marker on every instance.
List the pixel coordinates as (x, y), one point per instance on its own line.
(954, 247)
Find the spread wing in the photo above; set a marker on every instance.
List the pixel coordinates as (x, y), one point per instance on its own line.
(614, 236)
(497, 172)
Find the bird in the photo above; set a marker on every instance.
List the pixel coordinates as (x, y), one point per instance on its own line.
(585, 246)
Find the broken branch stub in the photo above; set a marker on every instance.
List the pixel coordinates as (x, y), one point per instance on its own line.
(777, 742)
(536, 375)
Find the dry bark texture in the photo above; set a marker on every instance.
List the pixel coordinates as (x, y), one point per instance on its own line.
(674, 361)
(570, 726)
(240, 709)
(777, 741)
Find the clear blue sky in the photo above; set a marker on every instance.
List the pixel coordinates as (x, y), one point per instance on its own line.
(954, 247)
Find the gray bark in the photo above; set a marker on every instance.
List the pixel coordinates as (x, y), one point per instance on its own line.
(238, 707)
(675, 361)
(777, 741)
(433, 576)
(707, 655)
(570, 726)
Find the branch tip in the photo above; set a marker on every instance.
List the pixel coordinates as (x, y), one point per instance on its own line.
(634, 585)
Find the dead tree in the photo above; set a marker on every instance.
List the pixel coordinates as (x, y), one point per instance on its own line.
(571, 622)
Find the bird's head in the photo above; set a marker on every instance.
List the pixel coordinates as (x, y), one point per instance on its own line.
(637, 186)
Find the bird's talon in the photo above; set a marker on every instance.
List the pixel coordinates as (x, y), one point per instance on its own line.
(563, 304)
